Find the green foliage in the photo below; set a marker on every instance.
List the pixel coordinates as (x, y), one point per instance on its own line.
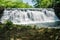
(45, 3)
(27, 33)
(8, 25)
(14, 4)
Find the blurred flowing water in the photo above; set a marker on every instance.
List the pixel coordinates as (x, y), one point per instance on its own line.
(26, 16)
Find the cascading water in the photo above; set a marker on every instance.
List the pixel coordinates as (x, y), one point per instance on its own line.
(29, 16)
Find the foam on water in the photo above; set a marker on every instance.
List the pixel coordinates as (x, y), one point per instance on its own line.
(29, 16)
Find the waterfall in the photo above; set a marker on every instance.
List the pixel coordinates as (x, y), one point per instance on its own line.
(29, 16)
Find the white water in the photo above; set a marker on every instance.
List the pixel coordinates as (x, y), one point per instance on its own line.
(29, 16)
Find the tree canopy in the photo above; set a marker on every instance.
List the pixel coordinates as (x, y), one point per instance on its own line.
(45, 3)
(14, 4)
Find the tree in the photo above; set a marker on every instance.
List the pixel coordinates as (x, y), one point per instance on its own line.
(45, 3)
(14, 4)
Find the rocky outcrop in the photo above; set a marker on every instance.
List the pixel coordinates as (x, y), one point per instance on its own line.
(57, 9)
(1, 11)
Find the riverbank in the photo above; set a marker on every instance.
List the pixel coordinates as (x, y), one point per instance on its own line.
(10, 31)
